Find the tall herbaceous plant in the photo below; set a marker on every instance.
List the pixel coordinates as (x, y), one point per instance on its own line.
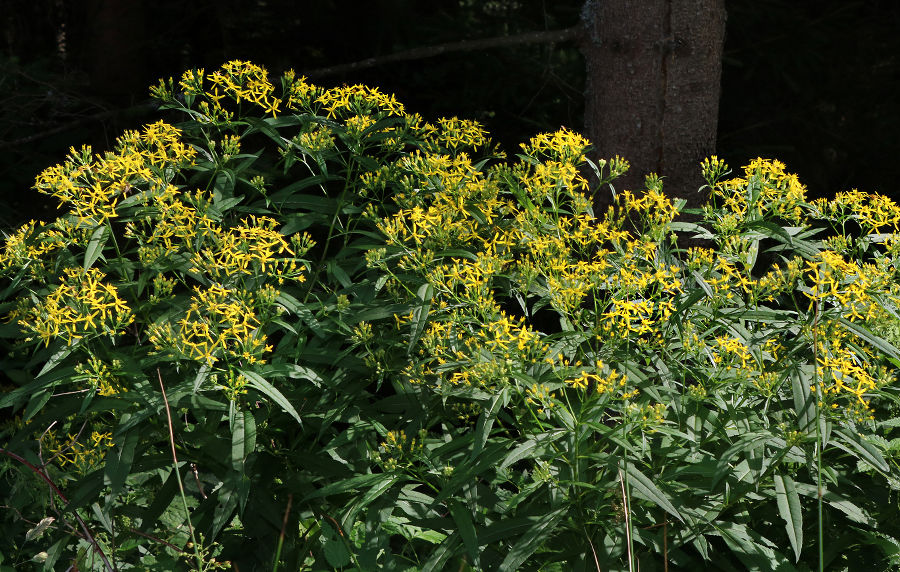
(301, 328)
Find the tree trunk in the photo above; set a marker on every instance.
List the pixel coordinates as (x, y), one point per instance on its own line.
(653, 85)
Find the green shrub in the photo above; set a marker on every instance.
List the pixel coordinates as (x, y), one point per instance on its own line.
(306, 329)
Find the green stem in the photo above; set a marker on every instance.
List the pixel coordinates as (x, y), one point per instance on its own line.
(187, 513)
(334, 219)
(819, 443)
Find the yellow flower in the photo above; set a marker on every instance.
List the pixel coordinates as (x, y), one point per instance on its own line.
(82, 305)
(220, 324)
(243, 81)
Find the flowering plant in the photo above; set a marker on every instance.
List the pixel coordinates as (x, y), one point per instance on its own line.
(305, 328)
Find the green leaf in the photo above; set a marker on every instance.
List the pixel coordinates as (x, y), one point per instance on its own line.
(243, 439)
(468, 471)
(486, 421)
(772, 230)
(881, 344)
(462, 516)
(56, 359)
(336, 552)
(537, 535)
(351, 484)
(754, 550)
(804, 401)
(790, 510)
(420, 315)
(38, 530)
(36, 403)
(119, 461)
(836, 501)
(95, 245)
(526, 448)
(289, 197)
(442, 554)
(378, 487)
(266, 388)
(746, 443)
(297, 307)
(232, 492)
(339, 274)
(851, 441)
(645, 489)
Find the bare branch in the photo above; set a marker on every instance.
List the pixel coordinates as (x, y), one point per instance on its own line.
(544, 37)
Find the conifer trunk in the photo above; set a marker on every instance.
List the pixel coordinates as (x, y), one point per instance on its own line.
(653, 86)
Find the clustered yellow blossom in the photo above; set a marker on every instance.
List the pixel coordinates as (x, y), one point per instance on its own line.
(101, 376)
(846, 284)
(488, 353)
(399, 451)
(602, 383)
(846, 375)
(82, 305)
(31, 247)
(531, 226)
(171, 222)
(253, 247)
(243, 81)
(731, 353)
(453, 133)
(358, 100)
(873, 212)
(647, 416)
(219, 324)
(540, 396)
(481, 238)
(235, 385)
(765, 189)
(91, 187)
(82, 453)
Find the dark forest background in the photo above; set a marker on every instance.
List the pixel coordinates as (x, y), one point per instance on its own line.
(814, 84)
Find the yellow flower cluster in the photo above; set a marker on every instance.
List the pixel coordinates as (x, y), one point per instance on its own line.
(602, 383)
(846, 374)
(314, 141)
(235, 385)
(463, 351)
(92, 187)
(251, 248)
(359, 100)
(297, 92)
(765, 189)
(82, 305)
(29, 247)
(498, 217)
(846, 284)
(873, 212)
(454, 134)
(652, 208)
(646, 416)
(357, 124)
(242, 81)
(100, 376)
(171, 222)
(632, 318)
(398, 451)
(540, 396)
(81, 456)
(564, 146)
(219, 324)
(731, 353)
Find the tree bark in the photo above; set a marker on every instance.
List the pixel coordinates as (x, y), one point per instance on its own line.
(653, 86)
